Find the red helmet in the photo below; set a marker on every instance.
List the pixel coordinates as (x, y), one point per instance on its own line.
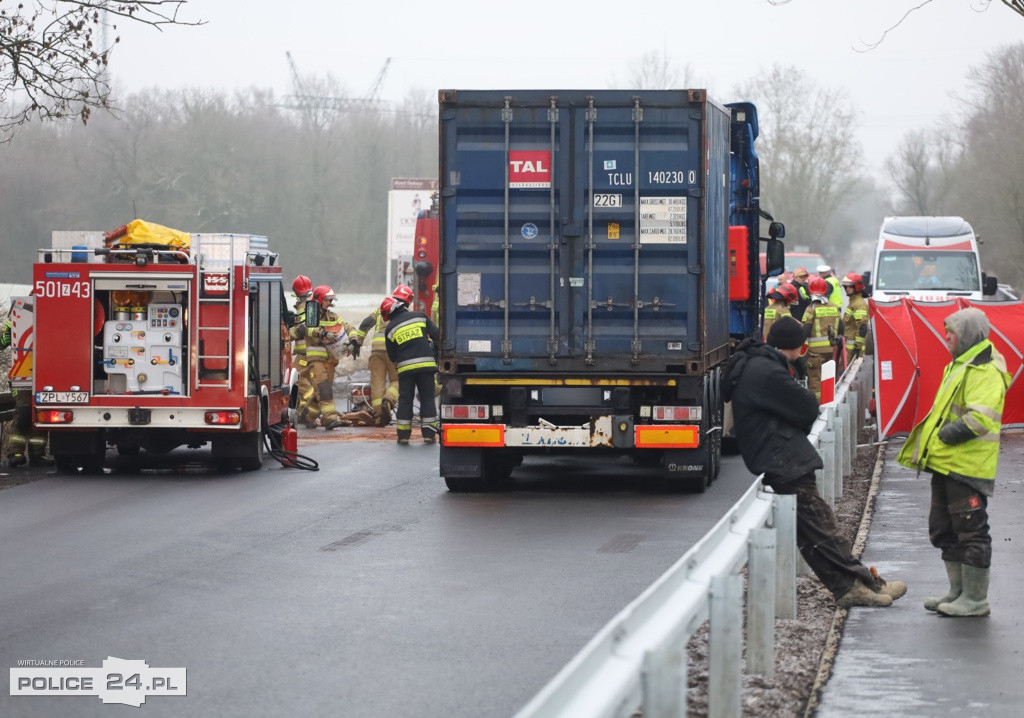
(788, 292)
(854, 280)
(818, 286)
(403, 293)
(302, 285)
(323, 295)
(387, 306)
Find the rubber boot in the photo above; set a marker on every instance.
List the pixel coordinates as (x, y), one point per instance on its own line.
(973, 600)
(860, 595)
(892, 589)
(953, 570)
(16, 459)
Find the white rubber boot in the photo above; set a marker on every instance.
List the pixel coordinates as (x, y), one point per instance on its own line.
(953, 570)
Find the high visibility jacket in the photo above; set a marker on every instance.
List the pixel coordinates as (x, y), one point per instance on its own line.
(972, 391)
(411, 338)
(375, 322)
(435, 305)
(299, 342)
(835, 291)
(855, 316)
(773, 311)
(821, 317)
(315, 349)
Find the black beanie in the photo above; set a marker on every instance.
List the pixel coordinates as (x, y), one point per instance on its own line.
(786, 333)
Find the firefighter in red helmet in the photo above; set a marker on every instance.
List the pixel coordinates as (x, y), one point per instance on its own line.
(825, 326)
(779, 300)
(412, 341)
(856, 315)
(303, 289)
(321, 361)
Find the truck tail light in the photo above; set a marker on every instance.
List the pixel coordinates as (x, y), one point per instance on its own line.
(223, 417)
(467, 412)
(54, 416)
(676, 413)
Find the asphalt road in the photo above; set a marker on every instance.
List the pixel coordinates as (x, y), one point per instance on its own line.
(363, 589)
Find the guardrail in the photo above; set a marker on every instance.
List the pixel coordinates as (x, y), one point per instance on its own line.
(639, 658)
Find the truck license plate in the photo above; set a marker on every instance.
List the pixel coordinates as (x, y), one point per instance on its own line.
(62, 397)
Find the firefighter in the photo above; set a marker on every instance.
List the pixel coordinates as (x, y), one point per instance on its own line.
(25, 443)
(383, 373)
(412, 341)
(321, 363)
(779, 301)
(825, 327)
(856, 315)
(307, 413)
(835, 291)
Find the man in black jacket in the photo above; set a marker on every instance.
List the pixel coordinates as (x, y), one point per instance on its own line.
(773, 416)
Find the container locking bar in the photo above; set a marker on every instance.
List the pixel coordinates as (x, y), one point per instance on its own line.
(638, 117)
(506, 342)
(589, 343)
(552, 245)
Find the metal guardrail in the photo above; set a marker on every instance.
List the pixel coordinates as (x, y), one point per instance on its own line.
(639, 658)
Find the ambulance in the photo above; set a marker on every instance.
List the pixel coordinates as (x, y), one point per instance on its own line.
(928, 259)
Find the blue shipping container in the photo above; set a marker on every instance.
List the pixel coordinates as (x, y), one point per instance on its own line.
(584, 231)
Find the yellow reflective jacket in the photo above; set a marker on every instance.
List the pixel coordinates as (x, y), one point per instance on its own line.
(973, 389)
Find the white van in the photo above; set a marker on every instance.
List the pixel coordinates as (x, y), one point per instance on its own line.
(928, 259)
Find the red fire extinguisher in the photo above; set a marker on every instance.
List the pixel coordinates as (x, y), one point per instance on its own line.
(290, 442)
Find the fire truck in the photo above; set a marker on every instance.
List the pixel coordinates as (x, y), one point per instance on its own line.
(149, 347)
(426, 254)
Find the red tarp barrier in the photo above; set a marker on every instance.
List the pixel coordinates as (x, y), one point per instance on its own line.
(910, 355)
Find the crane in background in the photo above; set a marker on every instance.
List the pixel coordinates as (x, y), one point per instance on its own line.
(304, 100)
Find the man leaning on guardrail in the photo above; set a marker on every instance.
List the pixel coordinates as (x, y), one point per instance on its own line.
(773, 415)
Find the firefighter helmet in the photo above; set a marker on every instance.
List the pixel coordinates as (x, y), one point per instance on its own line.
(323, 295)
(853, 280)
(302, 285)
(818, 286)
(403, 293)
(387, 306)
(788, 292)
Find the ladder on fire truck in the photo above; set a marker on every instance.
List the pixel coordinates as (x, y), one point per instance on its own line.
(215, 261)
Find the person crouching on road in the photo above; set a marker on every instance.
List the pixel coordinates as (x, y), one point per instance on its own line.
(773, 415)
(412, 340)
(958, 442)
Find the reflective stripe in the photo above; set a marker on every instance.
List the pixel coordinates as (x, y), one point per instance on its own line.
(418, 363)
(987, 412)
(403, 426)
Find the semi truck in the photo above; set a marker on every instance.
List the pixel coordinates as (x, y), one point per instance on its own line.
(148, 347)
(598, 264)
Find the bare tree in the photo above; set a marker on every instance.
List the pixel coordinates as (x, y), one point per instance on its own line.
(1016, 6)
(655, 70)
(810, 157)
(53, 54)
(924, 170)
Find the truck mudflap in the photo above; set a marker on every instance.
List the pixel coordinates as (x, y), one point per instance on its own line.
(604, 431)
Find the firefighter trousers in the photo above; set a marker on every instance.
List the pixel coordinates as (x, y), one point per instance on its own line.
(814, 362)
(307, 410)
(383, 380)
(24, 439)
(958, 522)
(409, 384)
(321, 376)
(819, 539)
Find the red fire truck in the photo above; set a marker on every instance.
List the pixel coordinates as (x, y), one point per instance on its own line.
(426, 254)
(153, 347)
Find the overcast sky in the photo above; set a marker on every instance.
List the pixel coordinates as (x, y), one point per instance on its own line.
(908, 82)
